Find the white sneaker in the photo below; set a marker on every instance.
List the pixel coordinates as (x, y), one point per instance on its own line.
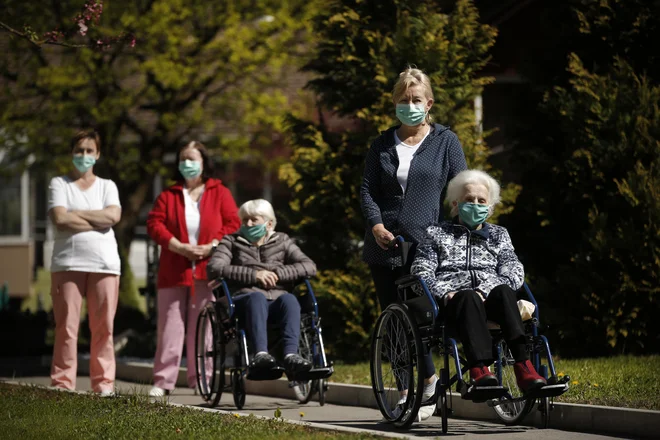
(158, 392)
(107, 393)
(425, 412)
(429, 391)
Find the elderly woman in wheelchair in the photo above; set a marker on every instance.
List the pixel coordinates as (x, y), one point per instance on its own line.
(463, 283)
(255, 271)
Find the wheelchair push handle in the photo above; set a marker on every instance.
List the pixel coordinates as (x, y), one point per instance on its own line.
(395, 242)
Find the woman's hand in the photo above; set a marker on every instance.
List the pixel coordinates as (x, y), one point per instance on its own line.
(382, 235)
(449, 296)
(192, 253)
(267, 278)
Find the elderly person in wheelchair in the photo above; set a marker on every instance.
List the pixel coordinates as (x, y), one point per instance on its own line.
(258, 263)
(471, 268)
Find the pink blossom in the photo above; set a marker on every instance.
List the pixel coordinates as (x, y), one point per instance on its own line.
(83, 28)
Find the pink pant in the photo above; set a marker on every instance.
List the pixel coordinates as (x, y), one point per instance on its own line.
(102, 292)
(177, 319)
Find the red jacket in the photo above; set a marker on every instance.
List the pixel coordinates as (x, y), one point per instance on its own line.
(218, 216)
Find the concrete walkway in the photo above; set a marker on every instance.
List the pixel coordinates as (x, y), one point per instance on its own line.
(348, 416)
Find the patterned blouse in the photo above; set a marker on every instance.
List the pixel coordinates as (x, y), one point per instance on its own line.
(453, 258)
(437, 160)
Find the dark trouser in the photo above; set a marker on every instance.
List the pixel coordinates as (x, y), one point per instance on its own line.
(255, 312)
(384, 278)
(467, 313)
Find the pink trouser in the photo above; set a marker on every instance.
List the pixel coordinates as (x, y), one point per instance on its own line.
(177, 320)
(102, 293)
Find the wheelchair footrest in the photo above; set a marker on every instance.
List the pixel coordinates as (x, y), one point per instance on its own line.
(313, 374)
(480, 394)
(548, 391)
(270, 374)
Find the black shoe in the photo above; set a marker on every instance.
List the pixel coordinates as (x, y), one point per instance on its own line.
(263, 361)
(294, 363)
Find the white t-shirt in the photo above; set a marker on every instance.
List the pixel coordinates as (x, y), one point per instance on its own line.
(405, 153)
(192, 217)
(88, 251)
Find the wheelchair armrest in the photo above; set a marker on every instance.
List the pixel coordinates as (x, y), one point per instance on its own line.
(408, 280)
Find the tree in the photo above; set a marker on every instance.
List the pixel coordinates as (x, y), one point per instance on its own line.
(200, 70)
(363, 46)
(588, 205)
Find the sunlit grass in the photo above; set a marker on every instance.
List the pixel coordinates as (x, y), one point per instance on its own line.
(625, 381)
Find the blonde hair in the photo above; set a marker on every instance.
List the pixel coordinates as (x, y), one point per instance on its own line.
(256, 207)
(456, 188)
(410, 77)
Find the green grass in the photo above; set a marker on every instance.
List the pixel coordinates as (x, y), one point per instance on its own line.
(624, 381)
(35, 413)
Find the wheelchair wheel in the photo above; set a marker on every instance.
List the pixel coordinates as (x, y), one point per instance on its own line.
(209, 356)
(544, 407)
(512, 408)
(396, 356)
(444, 411)
(304, 390)
(238, 388)
(322, 385)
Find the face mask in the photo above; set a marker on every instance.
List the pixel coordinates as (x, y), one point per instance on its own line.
(253, 233)
(83, 163)
(190, 169)
(410, 114)
(472, 214)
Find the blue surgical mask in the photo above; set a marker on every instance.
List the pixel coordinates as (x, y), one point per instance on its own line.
(190, 169)
(83, 162)
(253, 233)
(472, 214)
(411, 114)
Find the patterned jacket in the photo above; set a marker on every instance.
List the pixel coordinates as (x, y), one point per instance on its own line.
(437, 160)
(453, 258)
(237, 260)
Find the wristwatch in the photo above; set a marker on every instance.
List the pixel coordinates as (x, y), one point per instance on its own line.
(214, 245)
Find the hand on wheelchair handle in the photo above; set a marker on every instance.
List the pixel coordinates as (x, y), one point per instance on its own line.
(383, 236)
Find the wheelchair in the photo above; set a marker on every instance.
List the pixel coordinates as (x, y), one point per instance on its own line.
(411, 328)
(221, 345)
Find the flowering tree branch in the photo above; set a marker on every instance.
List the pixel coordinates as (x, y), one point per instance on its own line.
(88, 17)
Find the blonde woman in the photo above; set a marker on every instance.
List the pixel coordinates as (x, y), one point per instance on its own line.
(405, 174)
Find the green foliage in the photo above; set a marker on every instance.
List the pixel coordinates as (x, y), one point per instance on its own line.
(612, 176)
(31, 412)
(363, 45)
(200, 70)
(591, 189)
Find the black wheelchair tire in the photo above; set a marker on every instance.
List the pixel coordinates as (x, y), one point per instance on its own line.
(321, 386)
(442, 402)
(510, 413)
(399, 315)
(238, 388)
(210, 392)
(305, 390)
(544, 406)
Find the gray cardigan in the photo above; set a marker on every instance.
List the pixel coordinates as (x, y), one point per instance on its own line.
(238, 261)
(436, 161)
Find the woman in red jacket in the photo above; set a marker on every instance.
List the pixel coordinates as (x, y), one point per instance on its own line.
(188, 221)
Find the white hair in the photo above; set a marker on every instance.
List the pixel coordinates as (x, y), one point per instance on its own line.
(456, 188)
(256, 207)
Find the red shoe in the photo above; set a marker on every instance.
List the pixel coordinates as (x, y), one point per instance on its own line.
(482, 377)
(527, 377)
